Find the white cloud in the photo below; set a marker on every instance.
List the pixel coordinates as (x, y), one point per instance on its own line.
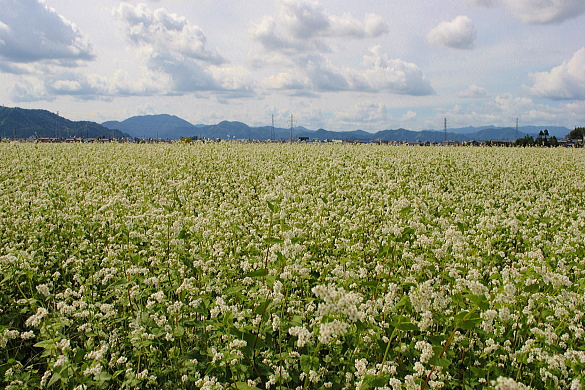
(38, 87)
(323, 76)
(483, 3)
(545, 11)
(31, 32)
(505, 108)
(303, 31)
(304, 25)
(566, 81)
(233, 79)
(286, 81)
(365, 112)
(163, 31)
(67, 85)
(460, 33)
(410, 115)
(538, 11)
(474, 92)
(168, 43)
(29, 89)
(315, 73)
(391, 75)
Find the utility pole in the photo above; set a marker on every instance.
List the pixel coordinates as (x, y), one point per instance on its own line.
(516, 128)
(292, 123)
(272, 129)
(445, 132)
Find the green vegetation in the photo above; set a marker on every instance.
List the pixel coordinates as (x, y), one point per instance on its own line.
(290, 266)
(577, 133)
(542, 139)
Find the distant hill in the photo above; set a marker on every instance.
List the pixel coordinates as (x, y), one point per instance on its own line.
(172, 127)
(557, 131)
(151, 126)
(23, 123)
(238, 130)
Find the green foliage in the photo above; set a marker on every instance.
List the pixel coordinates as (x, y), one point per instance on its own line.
(542, 139)
(577, 133)
(283, 266)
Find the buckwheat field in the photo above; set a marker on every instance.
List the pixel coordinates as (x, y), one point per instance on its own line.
(291, 266)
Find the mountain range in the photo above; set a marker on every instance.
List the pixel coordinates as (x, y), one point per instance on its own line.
(22, 123)
(172, 127)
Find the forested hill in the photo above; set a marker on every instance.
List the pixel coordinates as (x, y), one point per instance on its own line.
(23, 123)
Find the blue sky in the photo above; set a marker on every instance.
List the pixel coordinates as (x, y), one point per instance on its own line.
(339, 65)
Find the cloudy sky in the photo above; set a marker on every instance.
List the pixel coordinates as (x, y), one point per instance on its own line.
(335, 64)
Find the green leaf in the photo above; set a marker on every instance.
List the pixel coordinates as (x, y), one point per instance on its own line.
(179, 331)
(56, 377)
(296, 321)
(255, 274)
(403, 323)
(245, 386)
(188, 263)
(479, 300)
(405, 211)
(273, 208)
(46, 344)
(407, 233)
(309, 363)
(370, 283)
(467, 320)
(441, 362)
(103, 377)
(404, 301)
(373, 381)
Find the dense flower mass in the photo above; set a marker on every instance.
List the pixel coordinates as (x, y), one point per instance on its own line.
(269, 266)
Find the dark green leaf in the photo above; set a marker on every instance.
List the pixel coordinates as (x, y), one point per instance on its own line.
(373, 381)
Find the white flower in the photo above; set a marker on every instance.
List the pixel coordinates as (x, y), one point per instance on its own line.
(304, 335)
(509, 384)
(43, 289)
(330, 330)
(27, 335)
(35, 320)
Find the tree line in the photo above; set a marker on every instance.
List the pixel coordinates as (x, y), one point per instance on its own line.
(543, 138)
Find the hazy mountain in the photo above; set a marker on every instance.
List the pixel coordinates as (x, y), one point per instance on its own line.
(238, 130)
(23, 123)
(557, 131)
(151, 126)
(172, 127)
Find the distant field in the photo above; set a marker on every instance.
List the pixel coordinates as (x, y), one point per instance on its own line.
(277, 266)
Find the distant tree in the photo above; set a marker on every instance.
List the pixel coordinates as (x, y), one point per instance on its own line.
(553, 141)
(578, 133)
(526, 141)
